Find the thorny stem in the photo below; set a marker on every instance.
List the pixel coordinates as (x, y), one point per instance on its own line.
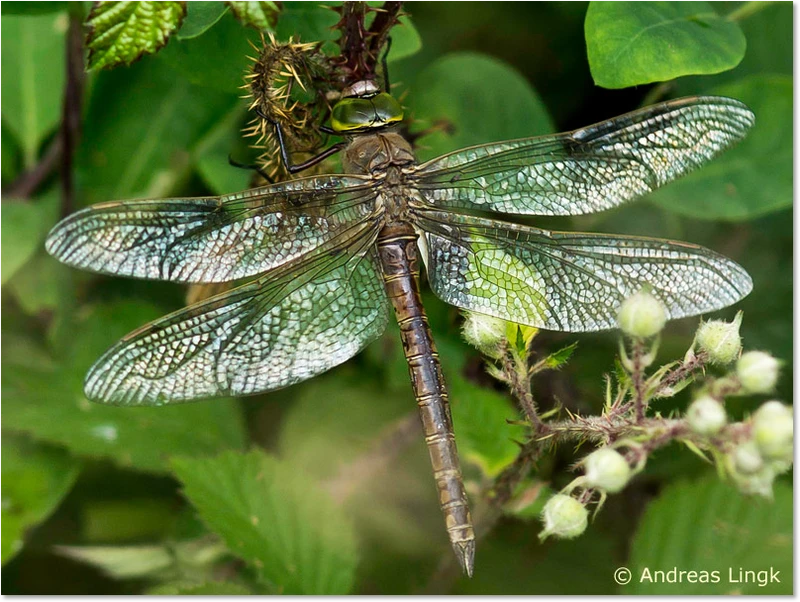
(637, 376)
(681, 373)
(518, 377)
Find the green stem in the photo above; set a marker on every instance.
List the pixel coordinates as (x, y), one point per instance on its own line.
(748, 9)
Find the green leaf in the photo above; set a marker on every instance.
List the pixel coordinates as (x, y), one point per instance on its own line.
(24, 226)
(33, 58)
(634, 43)
(41, 285)
(33, 8)
(708, 526)
(200, 17)
(260, 14)
(561, 357)
(755, 177)
(228, 43)
(479, 99)
(219, 144)
(122, 32)
(405, 40)
(212, 588)
(36, 478)
(45, 399)
(769, 34)
(144, 144)
(307, 22)
(275, 519)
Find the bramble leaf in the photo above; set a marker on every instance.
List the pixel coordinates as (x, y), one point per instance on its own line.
(200, 17)
(261, 14)
(275, 519)
(634, 43)
(708, 526)
(122, 32)
(36, 477)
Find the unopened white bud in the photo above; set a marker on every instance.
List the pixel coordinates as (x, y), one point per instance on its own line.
(773, 431)
(608, 470)
(747, 459)
(564, 517)
(757, 371)
(642, 315)
(484, 332)
(720, 340)
(758, 483)
(706, 416)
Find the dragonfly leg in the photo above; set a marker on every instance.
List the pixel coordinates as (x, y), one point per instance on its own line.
(254, 167)
(287, 162)
(385, 65)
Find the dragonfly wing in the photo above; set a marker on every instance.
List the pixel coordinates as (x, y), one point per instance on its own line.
(212, 239)
(294, 322)
(568, 281)
(590, 169)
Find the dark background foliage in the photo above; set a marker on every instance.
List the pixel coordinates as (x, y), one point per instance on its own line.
(78, 476)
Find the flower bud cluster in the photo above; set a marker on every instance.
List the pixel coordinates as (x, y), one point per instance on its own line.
(755, 462)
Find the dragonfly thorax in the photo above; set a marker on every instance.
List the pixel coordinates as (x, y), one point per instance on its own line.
(374, 153)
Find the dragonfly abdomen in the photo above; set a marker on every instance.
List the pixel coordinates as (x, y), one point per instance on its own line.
(397, 247)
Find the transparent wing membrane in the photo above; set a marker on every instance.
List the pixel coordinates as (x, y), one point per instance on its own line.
(213, 239)
(568, 281)
(292, 323)
(589, 169)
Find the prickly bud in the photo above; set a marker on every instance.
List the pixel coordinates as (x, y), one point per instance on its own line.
(706, 416)
(757, 371)
(641, 315)
(608, 470)
(720, 340)
(773, 431)
(564, 517)
(484, 332)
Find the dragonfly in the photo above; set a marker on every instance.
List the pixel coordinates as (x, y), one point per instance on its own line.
(329, 257)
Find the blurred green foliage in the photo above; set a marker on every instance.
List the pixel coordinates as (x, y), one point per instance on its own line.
(327, 508)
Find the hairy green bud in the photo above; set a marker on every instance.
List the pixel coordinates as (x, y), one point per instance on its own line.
(720, 340)
(484, 332)
(747, 459)
(706, 416)
(641, 315)
(773, 431)
(608, 470)
(757, 371)
(564, 517)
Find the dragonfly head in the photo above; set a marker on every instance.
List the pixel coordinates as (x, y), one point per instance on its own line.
(364, 107)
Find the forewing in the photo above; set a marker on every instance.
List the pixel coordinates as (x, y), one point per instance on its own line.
(292, 323)
(590, 169)
(212, 239)
(569, 281)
